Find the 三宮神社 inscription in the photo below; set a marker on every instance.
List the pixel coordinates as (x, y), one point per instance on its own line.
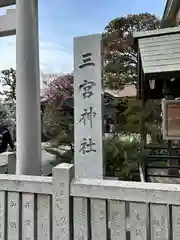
(88, 116)
(88, 106)
(87, 88)
(87, 146)
(87, 60)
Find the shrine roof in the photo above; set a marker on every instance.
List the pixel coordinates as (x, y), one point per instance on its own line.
(5, 3)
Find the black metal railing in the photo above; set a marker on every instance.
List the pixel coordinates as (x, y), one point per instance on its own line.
(159, 158)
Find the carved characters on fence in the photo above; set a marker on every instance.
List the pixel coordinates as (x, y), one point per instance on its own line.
(159, 221)
(159, 226)
(61, 220)
(138, 217)
(13, 215)
(13, 223)
(28, 216)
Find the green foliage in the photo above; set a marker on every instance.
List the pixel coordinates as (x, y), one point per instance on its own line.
(126, 115)
(61, 157)
(151, 115)
(120, 60)
(8, 81)
(59, 124)
(120, 54)
(122, 158)
(60, 127)
(4, 118)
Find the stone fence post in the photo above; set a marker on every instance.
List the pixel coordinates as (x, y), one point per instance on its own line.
(62, 204)
(8, 163)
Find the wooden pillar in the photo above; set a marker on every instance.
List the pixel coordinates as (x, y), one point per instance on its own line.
(172, 162)
(142, 120)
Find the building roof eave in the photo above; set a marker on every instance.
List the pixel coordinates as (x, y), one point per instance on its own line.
(5, 3)
(169, 16)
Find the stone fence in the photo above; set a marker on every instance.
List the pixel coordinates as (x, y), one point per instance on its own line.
(65, 208)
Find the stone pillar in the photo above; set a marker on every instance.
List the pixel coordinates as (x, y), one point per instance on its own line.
(28, 89)
(62, 205)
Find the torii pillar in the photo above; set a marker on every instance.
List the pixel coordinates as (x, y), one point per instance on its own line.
(27, 82)
(28, 119)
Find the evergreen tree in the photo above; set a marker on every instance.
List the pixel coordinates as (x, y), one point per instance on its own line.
(120, 53)
(8, 81)
(120, 61)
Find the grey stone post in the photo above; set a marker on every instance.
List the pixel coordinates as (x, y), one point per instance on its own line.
(28, 90)
(62, 204)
